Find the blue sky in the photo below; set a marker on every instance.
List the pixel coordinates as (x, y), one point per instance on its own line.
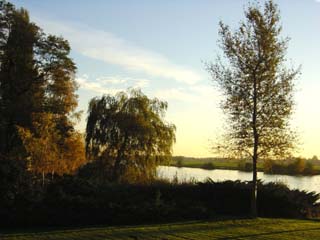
(160, 46)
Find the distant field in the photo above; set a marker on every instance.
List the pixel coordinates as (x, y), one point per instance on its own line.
(242, 165)
(199, 164)
(279, 229)
(210, 163)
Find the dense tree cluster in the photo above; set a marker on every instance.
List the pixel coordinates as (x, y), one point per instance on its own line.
(37, 96)
(37, 106)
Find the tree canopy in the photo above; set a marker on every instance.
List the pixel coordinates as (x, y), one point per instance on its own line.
(257, 87)
(37, 91)
(128, 136)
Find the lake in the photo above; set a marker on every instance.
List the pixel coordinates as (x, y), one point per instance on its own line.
(308, 183)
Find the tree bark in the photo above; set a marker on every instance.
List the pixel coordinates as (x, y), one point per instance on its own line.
(254, 189)
(42, 178)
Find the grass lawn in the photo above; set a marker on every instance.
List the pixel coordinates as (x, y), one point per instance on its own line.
(227, 229)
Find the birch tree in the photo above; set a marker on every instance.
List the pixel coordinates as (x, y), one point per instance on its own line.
(258, 88)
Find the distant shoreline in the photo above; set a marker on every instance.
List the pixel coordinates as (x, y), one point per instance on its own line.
(234, 164)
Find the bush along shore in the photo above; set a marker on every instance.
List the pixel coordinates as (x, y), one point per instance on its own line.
(71, 201)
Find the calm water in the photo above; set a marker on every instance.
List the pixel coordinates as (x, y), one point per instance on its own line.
(308, 183)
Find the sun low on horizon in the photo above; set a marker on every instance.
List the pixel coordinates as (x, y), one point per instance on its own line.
(162, 47)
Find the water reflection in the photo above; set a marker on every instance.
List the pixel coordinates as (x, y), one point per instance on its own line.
(308, 183)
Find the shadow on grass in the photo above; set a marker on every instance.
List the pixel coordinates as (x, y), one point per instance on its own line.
(218, 228)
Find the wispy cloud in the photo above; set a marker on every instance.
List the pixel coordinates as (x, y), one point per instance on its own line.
(96, 87)
(111, 80)
(110, 84)
(179, 94)
(108, 47)
(196, 94)
(141, 83)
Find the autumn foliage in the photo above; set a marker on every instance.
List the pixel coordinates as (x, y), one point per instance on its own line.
(37, 97)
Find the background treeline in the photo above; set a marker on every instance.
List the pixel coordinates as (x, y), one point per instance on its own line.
(292, 166)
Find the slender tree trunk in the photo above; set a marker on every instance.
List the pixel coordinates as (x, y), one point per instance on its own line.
(3, 139)
(8, 134)
(254, 189)
(116, 169)
(42, 178)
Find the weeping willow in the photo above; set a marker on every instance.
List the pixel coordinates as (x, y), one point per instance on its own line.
(127, 136)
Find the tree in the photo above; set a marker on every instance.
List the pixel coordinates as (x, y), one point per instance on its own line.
(37, 80)
(73, 153)
(46, 155)
(21, 89)
(257, 88)
(41, 145)
(127, 136)
(58, 71)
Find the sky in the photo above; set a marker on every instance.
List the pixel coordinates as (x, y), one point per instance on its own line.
(162, 46)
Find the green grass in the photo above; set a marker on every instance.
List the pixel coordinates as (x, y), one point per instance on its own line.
(222, 165)
(231, 164)
(279, 229)
(200, 164)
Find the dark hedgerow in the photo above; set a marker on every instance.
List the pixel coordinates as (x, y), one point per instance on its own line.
(73, 201)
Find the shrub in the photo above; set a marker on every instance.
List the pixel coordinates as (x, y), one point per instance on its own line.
(208, 165)
(297, 167)
(74, 201)
(245, 166)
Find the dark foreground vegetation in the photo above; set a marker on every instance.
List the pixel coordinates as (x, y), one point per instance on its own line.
(74, 201)
(280, 229)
